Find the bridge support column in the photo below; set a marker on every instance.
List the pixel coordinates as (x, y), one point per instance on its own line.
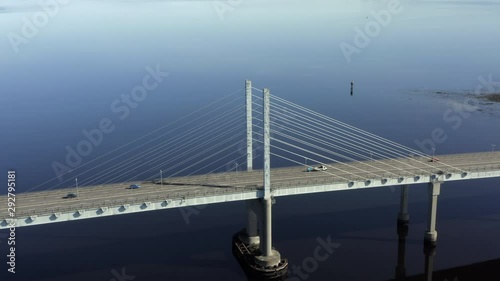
(251, 234)
(269, 257)
(403, 217)
(434, 190)
(260, 259)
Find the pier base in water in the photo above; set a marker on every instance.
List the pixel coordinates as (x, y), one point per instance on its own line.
(250, 258)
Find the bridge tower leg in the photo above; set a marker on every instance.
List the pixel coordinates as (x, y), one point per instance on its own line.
(248, 92)
(253, 247)
(269, 257)
(403, 217)
(251, 234)
(434, 190)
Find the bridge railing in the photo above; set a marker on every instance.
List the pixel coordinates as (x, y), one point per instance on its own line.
(137, 200)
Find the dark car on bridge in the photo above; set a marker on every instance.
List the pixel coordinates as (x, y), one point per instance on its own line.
(71, 195)
(134, 186)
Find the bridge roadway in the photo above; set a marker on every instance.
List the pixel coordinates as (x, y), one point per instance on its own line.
(96, 201)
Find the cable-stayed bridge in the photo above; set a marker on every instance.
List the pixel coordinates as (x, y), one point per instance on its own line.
(209, 157)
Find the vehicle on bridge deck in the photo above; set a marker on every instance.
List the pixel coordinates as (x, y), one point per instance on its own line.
(434, 159)
(70, 195)
(134, 186)
(315, 169)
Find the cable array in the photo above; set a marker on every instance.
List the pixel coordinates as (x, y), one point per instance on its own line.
(200, 130)
(298, 133)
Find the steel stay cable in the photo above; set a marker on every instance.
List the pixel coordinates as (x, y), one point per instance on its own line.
(346, 157)
(414, 151)
(335, 139)
(130, 162)
(371, 142)
(129, 143)
(190, 158)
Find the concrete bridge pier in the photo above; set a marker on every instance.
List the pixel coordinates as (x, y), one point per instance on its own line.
(403, 217)
(433, 190)
(253, 247)
(250, 235)
(269, 257)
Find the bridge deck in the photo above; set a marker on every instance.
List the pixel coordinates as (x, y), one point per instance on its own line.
(242, 185)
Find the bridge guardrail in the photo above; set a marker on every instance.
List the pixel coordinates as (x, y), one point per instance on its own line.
(120, 202)
(492, 167)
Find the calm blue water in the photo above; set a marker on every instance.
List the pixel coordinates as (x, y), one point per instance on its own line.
(67, 75)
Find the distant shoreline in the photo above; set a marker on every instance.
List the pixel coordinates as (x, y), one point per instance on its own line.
(492, 97)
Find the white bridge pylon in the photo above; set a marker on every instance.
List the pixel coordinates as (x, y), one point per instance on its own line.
(300, 133)
(260, 211)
